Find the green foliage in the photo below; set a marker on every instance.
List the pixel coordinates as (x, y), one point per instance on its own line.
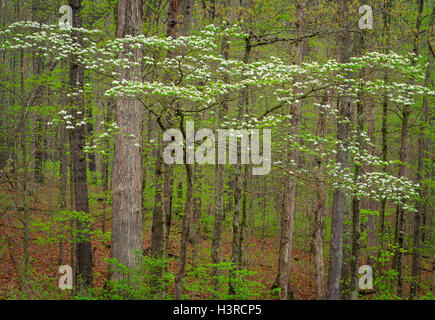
(201, 81)
(61, 226)
(429, 296)
(384, 275)
(148, 282)
(198, 282)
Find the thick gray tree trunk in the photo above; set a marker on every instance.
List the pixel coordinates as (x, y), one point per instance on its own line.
(127, 163)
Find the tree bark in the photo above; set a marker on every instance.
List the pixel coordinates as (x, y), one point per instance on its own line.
(63, 170)
(403, 169)
(356, 210)
(187, 7)
(320, 209)
(386, 33)
(288, 209)
(127, 163)
(219, 194)
(239, 182)
(343, 133)
(371, 205)
(356, 200)
(422, 149)
(83, 246)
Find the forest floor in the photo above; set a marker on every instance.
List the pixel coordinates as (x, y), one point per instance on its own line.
(44, 257)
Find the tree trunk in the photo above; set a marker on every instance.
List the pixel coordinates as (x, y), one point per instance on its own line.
(161, 216)
(36, 175)
(400, 221)
(63, 170)
(105, 165)
(344, 42)
(239, 182)
(422, 149)
(187, 8)
(195, 234)
(403, 169)
(263, 218)
(89, 132)
(384, 158)
(83, 246)
(386, 34)
(371, 205)
(356, 207)
(288, 209)
(188, 212)
(219, 194)
(127, 163)
(25, 280)
(356, 200)
(320, 209)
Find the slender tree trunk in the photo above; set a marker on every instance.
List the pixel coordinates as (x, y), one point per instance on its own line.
(195, 234)
(105, 165)
(219, 193)
(356, 200)
(36, 175)
(344, 42)
(184, 233)
(371, 205)
(159, 224)
(243, 228)
(89, 132)
(235, 249)
(167, 191)
(83, 246)
(4, 141)
(187, 7)
(386, 33)
(24, 182)
(403, 170)
(288, 209)
(356, 207)
(287, 219)
(422, 149)
(239, 182)
(320, 209)
(248, 224)
(217, 229)
(263, 218)
(400, 221)
(63, 170)
(72, 207)
(384, 158)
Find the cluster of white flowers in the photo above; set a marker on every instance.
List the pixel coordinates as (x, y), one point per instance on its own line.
(201, 77)
(98, 142)
(69, 120)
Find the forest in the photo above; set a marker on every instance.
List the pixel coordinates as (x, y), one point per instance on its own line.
(217, 150)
